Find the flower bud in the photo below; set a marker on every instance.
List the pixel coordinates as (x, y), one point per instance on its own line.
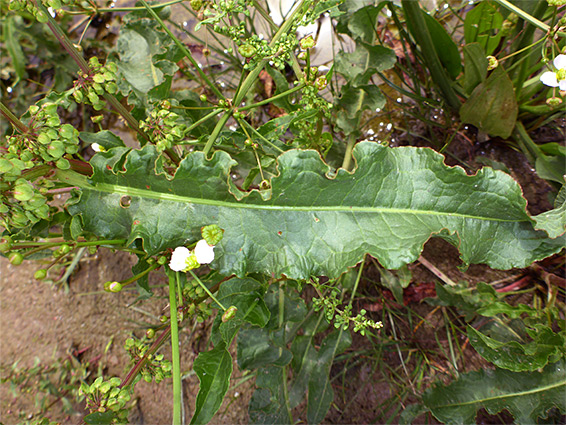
(16, 258)
(40, 274)
(150, 333)
(229, 314)
(307, 43)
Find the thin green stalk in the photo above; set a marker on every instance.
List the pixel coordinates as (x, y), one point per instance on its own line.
(252, 77)
(348, 155)
(281, 318)
(122, 9)
(414, 15)
(183, 49)
(203, 286)
(271, 99)
(212, 138)
(527, 17)
(176, 367)
(203, 119)
(14, 120)
(245, 124)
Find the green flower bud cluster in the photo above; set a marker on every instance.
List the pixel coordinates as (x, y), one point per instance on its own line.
(47, 141)
(342, 318)
(556, 3)
(155, 366)
(30, 7)
(89, 87)
(163, 128)
(21, 204)
(107, 396)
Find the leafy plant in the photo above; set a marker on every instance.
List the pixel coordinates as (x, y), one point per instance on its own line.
(243, 208)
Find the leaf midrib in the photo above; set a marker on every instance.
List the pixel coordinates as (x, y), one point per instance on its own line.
(144, 193)
(503, 396)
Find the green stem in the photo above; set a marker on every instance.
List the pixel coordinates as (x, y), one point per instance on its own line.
(123, 9)
(217, 129)
(203, 119)
(22, 128)
(524, 15)
(183, 49)
(176, 369)
(203, 286)
(142, 274)
(271, 99)
(348, 155)
(85, 68)
(281, 319)
(421, 34)
(252, 77)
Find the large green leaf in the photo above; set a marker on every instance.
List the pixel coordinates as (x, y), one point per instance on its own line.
(483, 24)
(526, 395)
(312, 221)
(492, 106)
(213, 369)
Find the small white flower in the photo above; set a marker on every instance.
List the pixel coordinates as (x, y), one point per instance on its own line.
(96, 147)
(204, 252)
(179, 258)
(558, 78)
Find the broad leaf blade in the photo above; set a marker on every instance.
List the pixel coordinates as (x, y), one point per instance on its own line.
(526, 395)
(213, 369)
(492, 106)
(311, 224)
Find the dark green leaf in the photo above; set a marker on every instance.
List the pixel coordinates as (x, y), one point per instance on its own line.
(267, 405)
(492, 106)
(475, 66)
(99, 418)
(519, 356)
(256, 349)
(526, 395)
(104, 138)
(213, 369)
(446, 49)
(483, 25)
(362, 23)
(14, 47)
(321, 393)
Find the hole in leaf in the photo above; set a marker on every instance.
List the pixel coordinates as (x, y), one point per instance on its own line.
(125, 201)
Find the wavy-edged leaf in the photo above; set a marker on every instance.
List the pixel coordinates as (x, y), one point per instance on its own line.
(526, 395)
(313, 222)
(213, 369)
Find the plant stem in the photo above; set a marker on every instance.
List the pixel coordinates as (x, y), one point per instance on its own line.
(203, 286)
(524, 15)
(176, 369)
(217, 129)
(271, 99)
(203, 119)
(123, 9)
(183, 49)
(14, 120)
(348, 155)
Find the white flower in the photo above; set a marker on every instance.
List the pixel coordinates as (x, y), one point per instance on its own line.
(558, 78)
(179, 258)
(96, 147)
(204, 252)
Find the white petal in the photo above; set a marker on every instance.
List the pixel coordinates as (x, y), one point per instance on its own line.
(562, 85)
(560, 62)
(549, 79)
(178, 261)
(96, 147)
(204, 252)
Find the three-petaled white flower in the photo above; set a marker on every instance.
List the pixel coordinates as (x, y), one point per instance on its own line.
(204, 252)
(558, 78)
(183, 259)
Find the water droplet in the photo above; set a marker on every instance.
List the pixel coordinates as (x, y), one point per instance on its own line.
(9, 89)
